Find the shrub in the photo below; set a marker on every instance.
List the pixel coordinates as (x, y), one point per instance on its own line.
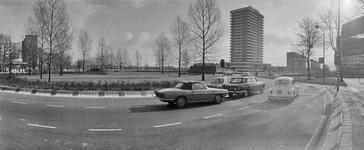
(63, 85)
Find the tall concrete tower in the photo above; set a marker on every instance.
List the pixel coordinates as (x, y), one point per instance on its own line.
(246, 39)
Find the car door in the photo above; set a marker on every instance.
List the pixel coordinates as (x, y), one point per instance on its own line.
(252, 84)
(200, 92)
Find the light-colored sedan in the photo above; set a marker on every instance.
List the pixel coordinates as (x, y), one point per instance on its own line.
(190, 91)
(218, 82)
(284, 88)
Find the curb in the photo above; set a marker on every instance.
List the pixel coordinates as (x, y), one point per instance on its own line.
(66, 93)
(340, 134)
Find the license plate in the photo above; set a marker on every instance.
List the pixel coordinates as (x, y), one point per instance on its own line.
(279, 91)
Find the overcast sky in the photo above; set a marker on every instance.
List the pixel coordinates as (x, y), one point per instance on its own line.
(135, 24)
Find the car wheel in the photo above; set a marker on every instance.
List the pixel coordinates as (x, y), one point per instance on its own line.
(217, 99)
(246, 93)
(181, 102)
(262, 90)
(230, 94)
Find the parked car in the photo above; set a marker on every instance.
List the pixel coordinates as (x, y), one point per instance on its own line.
(190, 91)
(283, 88)
(218, 82)
(228, 72)
(243, 74)
(244, 85)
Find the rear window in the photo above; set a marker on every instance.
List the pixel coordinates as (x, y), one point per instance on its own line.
(238, 80)
(217, 81)
(281, 82)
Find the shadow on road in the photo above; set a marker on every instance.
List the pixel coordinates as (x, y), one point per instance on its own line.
(167, 107)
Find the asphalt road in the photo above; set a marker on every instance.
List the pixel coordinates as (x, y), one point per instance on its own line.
(45, 122)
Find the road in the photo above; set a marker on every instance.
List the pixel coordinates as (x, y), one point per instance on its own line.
(45, 122)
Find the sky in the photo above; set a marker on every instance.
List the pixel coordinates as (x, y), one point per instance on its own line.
(135, 24)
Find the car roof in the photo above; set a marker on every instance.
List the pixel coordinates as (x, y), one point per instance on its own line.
(221, 77)
(244, 77)
(190, 82)
(284, 78)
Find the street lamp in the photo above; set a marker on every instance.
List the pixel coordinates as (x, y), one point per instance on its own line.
(323, 53)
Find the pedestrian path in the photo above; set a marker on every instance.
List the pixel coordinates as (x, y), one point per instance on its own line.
(75, 93)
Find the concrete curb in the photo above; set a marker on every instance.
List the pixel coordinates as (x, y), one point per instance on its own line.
(340, 134)
(66, 93)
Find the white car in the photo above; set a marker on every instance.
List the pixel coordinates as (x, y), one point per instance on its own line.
(218, 82)
(284, 88)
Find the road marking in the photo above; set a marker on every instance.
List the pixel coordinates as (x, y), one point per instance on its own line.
(212, 116)
(19, 102)
(262, 101)
(55, 106)
(95, 107)
(243, 108)
(165, 125)
(42, 126)
(103, 130)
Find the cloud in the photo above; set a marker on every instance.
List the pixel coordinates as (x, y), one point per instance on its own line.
(80, 16)
(143, 42)
(278, 36)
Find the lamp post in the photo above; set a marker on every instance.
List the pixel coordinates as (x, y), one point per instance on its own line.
(323, 53)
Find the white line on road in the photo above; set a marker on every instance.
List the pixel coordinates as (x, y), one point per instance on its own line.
(212, 116)
(243, 108)
(55, 106)
(165, 125)
(19, 102)
(103, 130)
(42, 126)
(95, 107)
(261, 101)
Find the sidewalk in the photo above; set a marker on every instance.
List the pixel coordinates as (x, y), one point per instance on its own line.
(65, 93)
(352, 96)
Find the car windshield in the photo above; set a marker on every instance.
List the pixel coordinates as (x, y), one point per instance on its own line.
(238, 80)
(185, 86)
(281, 82)
(217, 81)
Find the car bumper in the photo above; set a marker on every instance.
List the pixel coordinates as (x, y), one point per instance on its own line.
(279, 97)
(237, 92)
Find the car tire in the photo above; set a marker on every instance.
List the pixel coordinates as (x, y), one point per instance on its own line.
(230, 94)
(181, 102)
(218, 99)
(246, 94)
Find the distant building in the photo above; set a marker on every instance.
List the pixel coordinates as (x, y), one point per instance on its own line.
(296, 63)
(246, 39)
(30, 50)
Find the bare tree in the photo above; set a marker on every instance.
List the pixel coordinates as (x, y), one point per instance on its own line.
(119, 59)
(53, 16)
(181, 34)
(102, 55)
(85, 45)
(138, 59)
(307, 37)
(111, 55)
(187, 58)
(164, 50)
(32, 27)
(206, 27)
(63, 45)
(125, 57)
